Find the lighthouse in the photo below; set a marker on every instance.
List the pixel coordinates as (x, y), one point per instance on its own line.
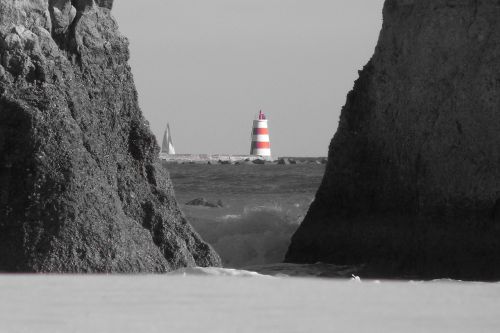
(261, 145)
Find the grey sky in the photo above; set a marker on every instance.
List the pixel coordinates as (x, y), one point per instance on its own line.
(208, 66)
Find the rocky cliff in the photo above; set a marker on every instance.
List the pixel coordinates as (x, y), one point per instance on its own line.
(81, 188)
(412, 186)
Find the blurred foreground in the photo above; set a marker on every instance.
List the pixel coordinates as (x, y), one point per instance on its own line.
(215, 300)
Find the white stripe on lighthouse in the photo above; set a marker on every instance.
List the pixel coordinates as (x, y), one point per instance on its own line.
(260, 138)
(260, 123)
(262, 152)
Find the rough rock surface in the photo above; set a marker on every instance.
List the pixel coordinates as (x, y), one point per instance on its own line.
(81, 187)
(412, 186)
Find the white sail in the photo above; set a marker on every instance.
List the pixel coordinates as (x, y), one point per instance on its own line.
(167, 147)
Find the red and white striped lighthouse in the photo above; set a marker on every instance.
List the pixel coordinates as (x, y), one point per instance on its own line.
(261, 145)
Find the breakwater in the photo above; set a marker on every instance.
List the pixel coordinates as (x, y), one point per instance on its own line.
(236, 159)
(205, 158)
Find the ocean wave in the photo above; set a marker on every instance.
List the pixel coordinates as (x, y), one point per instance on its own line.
(229, 217)
(259, 235)
(317, 270)
(278, 270)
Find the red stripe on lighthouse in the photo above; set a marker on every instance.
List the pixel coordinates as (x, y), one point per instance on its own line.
(260, 131)
(262, 145)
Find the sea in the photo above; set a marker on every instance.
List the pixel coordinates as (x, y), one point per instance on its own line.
(262, 205)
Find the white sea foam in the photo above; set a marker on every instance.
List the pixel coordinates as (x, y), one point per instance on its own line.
(259, 235)
(229, 217)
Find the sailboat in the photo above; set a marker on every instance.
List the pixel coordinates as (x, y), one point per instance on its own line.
(167, 147)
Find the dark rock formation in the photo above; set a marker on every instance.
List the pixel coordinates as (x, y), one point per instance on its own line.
(81, 187)
(283, 161)
(412, 185)
(205, 203)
